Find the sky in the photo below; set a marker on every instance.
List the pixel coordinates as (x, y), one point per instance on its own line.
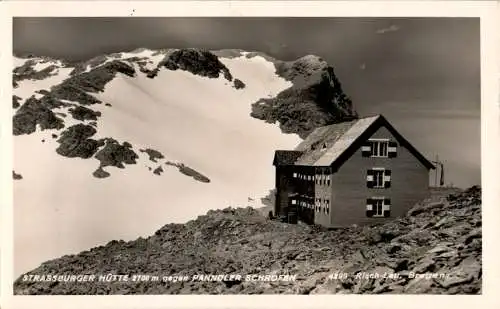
(422, 74)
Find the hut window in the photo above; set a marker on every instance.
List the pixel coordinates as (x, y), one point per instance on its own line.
(376, 148)
(294, 202)
(378, 207)
(294, 175)
(378, 178)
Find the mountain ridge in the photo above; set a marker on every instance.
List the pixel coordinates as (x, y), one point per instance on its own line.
(314, 99)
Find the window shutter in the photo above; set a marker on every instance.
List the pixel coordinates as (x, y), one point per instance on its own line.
(369, 178)
(387, 207)
(392, 150)
(366, 149)
(369, 207)
(387, 178)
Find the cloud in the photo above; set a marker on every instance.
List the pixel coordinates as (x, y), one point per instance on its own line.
(391, 28)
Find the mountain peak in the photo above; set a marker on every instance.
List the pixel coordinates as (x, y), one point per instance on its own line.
(311, 60)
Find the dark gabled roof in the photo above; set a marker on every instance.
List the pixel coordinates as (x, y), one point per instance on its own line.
(286, 157)
(334, 144)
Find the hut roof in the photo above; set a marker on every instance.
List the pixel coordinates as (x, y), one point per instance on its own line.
(333, 144)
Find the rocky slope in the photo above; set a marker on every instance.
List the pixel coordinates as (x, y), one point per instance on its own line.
(435, 248)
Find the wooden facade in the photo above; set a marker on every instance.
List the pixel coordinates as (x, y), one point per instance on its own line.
(375, 177)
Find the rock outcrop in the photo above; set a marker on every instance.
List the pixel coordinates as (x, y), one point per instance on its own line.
(153, 154)
(188, 171)
(26, 71)
(75, 142)
(238, 84)
(15, 101)
(114, 154)
(100, 173)
(197, 61)
(434, 249)
(84, 113)
(316, 98)
(32, 113)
